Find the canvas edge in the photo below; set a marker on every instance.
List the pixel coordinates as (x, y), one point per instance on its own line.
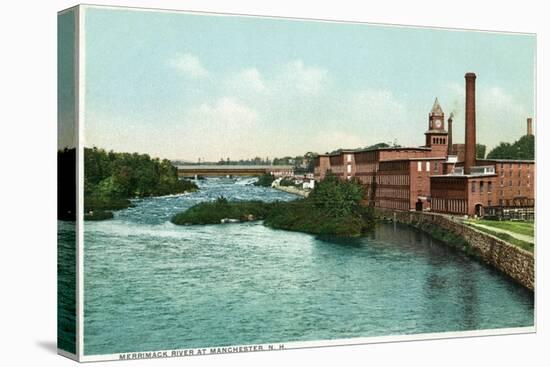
(80, 138)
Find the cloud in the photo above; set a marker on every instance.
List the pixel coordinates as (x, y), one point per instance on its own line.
(296, 76)
(225, 113)
(188, 65)
(223, 128)
(246, 83)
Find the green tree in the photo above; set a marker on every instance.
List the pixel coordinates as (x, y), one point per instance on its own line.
(524, 148)
(336, 197)
(480, 151)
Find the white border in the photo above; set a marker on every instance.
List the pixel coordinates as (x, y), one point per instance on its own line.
(330, 343)
(80, 123)
(273, 17)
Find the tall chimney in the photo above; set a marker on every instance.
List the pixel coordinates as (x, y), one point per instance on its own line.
(450, 135)
(470, 133)
(529, 126)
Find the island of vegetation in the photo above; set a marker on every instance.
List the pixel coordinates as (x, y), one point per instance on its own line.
(333, 208)
(111, 179)
(265, 180)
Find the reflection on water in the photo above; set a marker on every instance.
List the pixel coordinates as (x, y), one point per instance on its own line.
(151, 285)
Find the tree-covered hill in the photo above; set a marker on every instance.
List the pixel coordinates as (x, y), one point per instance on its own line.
(110, 179)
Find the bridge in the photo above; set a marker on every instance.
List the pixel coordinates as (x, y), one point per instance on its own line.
(214, 170)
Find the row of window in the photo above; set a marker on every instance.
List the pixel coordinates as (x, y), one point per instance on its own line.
(439, 140)
(510, 183)
(482, 186)
(393, 193)
(511, 164)
(501, 192)
(427, 166)
(502, 174)
(392, 179)
(391, 204)
(450, 205)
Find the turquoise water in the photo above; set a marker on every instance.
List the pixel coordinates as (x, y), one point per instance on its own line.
(151, 285)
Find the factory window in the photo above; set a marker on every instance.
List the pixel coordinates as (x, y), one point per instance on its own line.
(419, 166)
(427, 166)
(473, 186)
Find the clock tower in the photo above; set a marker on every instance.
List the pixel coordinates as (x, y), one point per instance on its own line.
(436, 134)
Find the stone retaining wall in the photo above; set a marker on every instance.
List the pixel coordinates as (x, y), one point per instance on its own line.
(513, 261)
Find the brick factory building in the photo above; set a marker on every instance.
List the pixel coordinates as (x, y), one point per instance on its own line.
(439, 176)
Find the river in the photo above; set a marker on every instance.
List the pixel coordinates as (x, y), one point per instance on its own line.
(152, 285)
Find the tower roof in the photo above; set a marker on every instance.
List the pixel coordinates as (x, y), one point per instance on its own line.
(436, 109)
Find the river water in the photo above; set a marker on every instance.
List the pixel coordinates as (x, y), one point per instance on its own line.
(152, 285)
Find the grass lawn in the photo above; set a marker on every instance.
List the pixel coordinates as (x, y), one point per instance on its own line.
(529, 246)
(524, 228)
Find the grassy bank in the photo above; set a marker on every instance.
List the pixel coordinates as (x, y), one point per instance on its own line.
(529, 246)
(523, 228)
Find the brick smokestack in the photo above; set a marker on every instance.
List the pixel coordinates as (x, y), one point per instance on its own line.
(470, 133)
(529, 126)
(450, 135)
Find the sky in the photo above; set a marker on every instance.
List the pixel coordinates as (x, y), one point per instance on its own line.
(188, 86)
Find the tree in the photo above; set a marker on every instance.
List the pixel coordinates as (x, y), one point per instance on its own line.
(480, 151)
(336, 197)
(524, 148)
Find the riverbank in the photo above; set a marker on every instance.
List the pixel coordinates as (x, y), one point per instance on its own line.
(292, 190)
(511, 260)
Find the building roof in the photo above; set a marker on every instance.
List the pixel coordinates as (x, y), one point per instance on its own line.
(454, 175)
(508, 160)
(436, 109)
(231, 166)
(415, 159)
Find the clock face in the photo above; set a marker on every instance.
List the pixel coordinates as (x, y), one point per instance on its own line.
(438, 124)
